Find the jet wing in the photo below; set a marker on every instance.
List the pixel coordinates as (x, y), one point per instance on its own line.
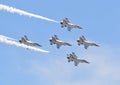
(56, 37)
(67, 20)
(70, 26)
(33, 43)
(86, 46)
(74, 55)
(26, 38)
(76, 26)
(36, 44)
(94, 44)
(83, 61)
(83, 38)
(68, 44)
(76, 63)
(58, 45)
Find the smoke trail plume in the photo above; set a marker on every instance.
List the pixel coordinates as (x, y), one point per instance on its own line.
(8, 40)
(21, 12)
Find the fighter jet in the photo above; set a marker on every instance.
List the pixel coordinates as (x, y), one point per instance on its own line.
(66, 23)
(82, 41)
(26, 41)
(73, 58)
(55, 40)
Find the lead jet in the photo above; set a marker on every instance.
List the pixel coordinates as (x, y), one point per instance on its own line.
(26, 41)
(83, 41)
(73, 58)
(66, 23)
(55, 40)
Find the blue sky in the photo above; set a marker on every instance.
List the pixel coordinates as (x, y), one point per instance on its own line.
(100, 23)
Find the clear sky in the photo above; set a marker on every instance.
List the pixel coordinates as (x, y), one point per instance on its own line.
(100, 22)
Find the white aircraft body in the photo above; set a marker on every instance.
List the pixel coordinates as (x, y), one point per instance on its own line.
(66, 23)
(55, 40)
(82, 41)
(26, 41)
(73, 58)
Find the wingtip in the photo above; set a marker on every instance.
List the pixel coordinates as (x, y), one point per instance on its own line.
(97, 45)
(80, 27)
(88, 62)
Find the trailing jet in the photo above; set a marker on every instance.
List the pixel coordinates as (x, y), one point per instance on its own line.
(26, 41)
(82, 41)
(55, 40)
(72, 57)
(66, 23)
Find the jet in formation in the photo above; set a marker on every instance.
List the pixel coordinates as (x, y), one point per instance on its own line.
(73, 58)
(55, 40)
(26, 41)
(83, 41)
(66, 23)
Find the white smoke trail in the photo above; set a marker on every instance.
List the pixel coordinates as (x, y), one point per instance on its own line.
(8, 40)
(21, 12)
